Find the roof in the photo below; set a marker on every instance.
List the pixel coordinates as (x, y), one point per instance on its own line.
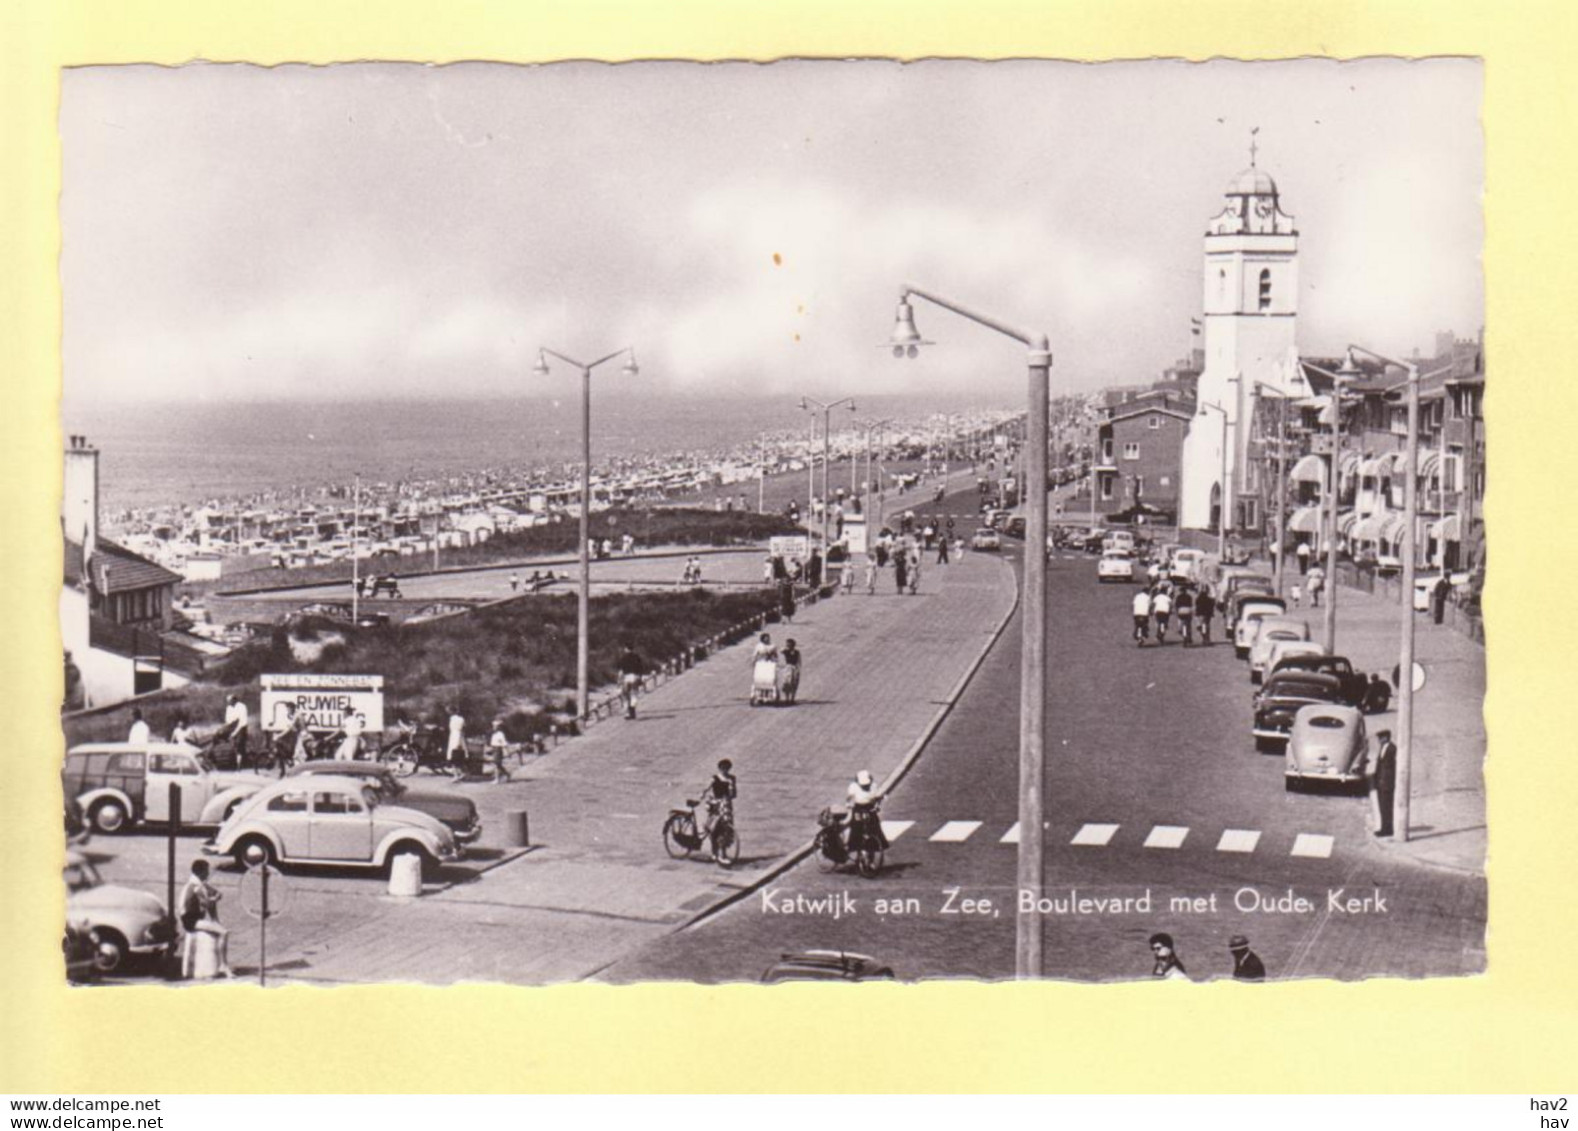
(1145, 408)
(1252, 180)
(115, 569)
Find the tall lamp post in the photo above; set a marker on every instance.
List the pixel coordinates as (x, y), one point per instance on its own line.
(1221, 509)
(1405, 666)
(905, 342)
(583, 607)
(356, 525)
(1348, 373)
(813, 406)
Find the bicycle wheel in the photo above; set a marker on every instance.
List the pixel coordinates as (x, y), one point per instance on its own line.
(401, 760)
(869, 861)
(725, 846)
(824, 862)
(676, 826)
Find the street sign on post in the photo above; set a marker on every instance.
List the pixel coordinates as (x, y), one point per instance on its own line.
(255, 902)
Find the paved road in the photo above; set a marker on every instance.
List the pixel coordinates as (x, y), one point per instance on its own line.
(1154, 788)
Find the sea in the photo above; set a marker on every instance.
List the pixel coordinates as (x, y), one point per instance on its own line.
(160, 455)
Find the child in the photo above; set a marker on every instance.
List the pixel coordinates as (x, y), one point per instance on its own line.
(498, 746)
(1298, 596)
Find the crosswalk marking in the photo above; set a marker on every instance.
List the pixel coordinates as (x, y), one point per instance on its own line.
(895, 829)
(955, 831)
(1166, 836)
(1011, 836)
(1238, 840)
(1312, 844)
(1095, 836)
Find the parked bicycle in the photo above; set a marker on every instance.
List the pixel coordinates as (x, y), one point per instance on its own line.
(682, 836)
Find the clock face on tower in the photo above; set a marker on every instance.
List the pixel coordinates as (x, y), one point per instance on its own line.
(1263, 208)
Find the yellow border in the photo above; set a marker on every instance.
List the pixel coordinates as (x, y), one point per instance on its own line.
(1512, 1030)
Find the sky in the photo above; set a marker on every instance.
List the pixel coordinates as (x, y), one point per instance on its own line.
(235, 233)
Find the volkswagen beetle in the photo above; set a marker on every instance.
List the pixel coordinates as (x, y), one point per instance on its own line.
(1327, 744)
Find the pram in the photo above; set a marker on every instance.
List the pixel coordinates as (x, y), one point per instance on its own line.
(764, 682)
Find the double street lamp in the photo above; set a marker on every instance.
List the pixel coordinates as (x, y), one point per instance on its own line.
(905, 342)
(583, 609)
(813, 406)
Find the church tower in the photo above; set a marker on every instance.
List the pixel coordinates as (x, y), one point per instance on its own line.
(1251, 308)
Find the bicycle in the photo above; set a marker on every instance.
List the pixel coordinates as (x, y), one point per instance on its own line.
(841, 840)
(681, 837)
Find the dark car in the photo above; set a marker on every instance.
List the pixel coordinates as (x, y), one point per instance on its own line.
(827, 966)
(458, 813)
(1282, 696)
(1015, 526)
(1244, 587)
(1355, 685)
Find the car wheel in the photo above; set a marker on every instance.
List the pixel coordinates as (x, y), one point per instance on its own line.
(108, 816)
(1293, 785)
(112, 951)
(244, 847)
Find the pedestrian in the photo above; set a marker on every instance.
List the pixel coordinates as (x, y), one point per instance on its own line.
(901, 569)
(1247, 966)
(789, 673)
(873, 559)
(629, 544)
(515, 582)
(607, 548)
(1142, 614)
(498, 746)
(942, 550)
(632, 669)
(1383, 783)
(1303, 554)
(1315, 578)
(929, 534)
(350, 746)
(1297, 594)
(361, 585)
(139, 734)
(235, 728)
(846, 576)
(1183, 609)
(1167, 964)
(813, 569)
(1204, 610)
(200, 916)
(1438, 598)
(1161, 610)
(786, 600)
(769, 570)
(182, 734)
(455, 750)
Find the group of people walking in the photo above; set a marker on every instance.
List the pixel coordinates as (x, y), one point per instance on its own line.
(775, 672)
(1161, 600)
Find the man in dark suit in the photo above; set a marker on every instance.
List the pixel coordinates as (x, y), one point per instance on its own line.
(1383, 782)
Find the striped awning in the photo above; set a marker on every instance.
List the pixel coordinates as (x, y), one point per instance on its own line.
(1447, 529)
(1346, 521)
(1309, 469)
(1305, 520)
(1368, 528)
(1392, 527)
(1391, 462)
(1370, 468)
(1429, 460)
(1350, 462)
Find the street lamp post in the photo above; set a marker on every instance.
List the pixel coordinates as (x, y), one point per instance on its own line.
(1221, 509)
(584, 604)
(812, 405)
(356, 523)
(905, 341)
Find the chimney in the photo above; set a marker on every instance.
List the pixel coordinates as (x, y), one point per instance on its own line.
(79, 507)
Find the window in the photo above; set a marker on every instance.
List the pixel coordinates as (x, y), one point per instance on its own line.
(1106, 487)
(171, 764)
(288, 803)
(1155, 422)
(1265, 288)
(127, 763)
(1131, 451)
(336, 803)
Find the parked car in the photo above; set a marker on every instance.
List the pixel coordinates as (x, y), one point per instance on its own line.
(827, 966)
(1328, 743)
(1250, 612)
(124, 921)
(1277, 705)
(1118, 540)
(1287, 649)
(986, 539)
(1115, 565)
(1093, 539)
(331, 819)
(1355, 684)
(1014, 527)
(1241, 589)
(459, 814)
(120, 784)
(80, 949)
(993, 516)
(1273, 631)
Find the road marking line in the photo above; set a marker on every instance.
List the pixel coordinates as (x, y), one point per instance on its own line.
(955, 831)
(895, 829)
(1011, 836)
(1238, 840)
(1312, 844)
(1095, 836)
(1166, 836)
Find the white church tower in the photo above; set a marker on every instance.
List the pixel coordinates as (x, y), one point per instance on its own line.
(1251, 308)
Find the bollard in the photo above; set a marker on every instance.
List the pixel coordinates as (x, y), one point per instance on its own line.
(405, 875)
(517, 831)
(202, 956)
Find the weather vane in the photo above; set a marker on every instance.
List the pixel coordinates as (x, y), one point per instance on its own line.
(1253, 146)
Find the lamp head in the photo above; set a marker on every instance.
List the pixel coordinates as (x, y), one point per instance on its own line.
(255, 855)
(1350, 367)
(541, 366)
(905, 340)
(631, 369)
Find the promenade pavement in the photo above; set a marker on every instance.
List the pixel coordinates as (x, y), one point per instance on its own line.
(879, 672)
(1447, 818)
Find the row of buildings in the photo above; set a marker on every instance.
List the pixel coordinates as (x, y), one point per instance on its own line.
(1245, 426)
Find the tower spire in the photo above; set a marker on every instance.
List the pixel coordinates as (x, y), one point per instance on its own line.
(1254, 146)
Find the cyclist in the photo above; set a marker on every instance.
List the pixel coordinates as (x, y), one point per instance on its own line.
(719, 794)
(864, 805)
(235, 728)
(631, 669)
(1142, 614)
